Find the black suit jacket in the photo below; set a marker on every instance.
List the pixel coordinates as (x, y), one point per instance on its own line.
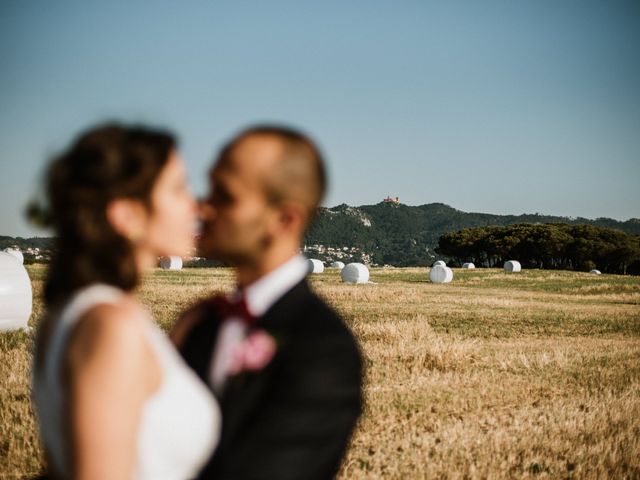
(294, 418)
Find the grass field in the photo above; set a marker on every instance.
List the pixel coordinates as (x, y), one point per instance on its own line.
(528, 375)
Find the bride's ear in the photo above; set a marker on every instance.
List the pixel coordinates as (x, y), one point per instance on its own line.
(127, 217)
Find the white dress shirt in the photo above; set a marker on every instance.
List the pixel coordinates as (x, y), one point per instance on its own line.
(260, 297)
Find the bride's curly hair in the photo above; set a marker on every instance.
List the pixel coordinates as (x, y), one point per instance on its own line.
(107, 162)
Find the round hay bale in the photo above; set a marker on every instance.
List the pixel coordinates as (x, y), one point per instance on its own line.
(172, 262)
(16, 297)
(338, 265)
(440, 274)
(15, 253)
(355, 273)
(596, 272)
(439, 263)
(512, 266)
(315, 266)
(468, 265)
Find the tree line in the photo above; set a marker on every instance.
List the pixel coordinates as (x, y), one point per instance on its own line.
(550, 246)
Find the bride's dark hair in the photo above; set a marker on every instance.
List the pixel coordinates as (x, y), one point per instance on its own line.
(107, 162)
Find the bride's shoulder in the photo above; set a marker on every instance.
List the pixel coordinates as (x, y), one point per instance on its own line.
(109, 348)
(108, 328)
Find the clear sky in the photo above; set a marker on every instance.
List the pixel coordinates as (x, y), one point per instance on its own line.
(503, 107)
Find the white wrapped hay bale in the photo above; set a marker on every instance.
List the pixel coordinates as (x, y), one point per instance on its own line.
(316, 266)
(468, 265)
(440, 274)
(15, 253)
(596, 272)
(512, 266)
(338, 265)
(355, 273)
(172, 262)
(16, 298)
(439, 263)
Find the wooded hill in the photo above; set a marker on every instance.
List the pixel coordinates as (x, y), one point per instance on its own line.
(403, 235)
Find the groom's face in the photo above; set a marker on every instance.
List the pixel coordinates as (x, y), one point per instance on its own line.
(237, 214)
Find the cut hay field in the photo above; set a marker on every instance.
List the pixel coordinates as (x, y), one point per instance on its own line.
(527, 375)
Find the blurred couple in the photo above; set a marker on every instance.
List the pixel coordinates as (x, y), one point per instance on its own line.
(261, 383)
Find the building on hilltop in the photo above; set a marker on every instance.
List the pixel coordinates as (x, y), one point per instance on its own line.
(395, 201)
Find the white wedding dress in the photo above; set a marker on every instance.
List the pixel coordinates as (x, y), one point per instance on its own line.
(180, 423)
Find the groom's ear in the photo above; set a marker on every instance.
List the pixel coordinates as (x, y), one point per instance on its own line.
(291, 218)
(127, 217)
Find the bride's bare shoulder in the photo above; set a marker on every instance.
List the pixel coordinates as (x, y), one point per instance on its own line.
(108, 328)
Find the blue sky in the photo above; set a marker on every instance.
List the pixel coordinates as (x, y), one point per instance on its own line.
(504, 107)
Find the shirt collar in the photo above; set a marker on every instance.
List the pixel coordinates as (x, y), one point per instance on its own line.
(264, 292)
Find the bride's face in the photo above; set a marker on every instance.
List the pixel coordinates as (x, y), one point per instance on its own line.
(171, 222)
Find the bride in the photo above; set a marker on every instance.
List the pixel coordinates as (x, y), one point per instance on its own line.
(114, 399)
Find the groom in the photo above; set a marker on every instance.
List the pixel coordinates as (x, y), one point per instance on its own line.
(284, 367)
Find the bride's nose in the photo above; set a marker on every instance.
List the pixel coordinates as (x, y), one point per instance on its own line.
(205, 210)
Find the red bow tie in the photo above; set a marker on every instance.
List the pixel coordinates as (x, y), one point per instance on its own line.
(227, 308)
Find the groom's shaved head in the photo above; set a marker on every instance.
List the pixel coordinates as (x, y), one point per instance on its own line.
(288, 164)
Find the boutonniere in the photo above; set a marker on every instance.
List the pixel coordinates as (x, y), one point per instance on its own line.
(253, 353)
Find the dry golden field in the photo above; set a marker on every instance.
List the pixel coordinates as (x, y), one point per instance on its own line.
(528, 375)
